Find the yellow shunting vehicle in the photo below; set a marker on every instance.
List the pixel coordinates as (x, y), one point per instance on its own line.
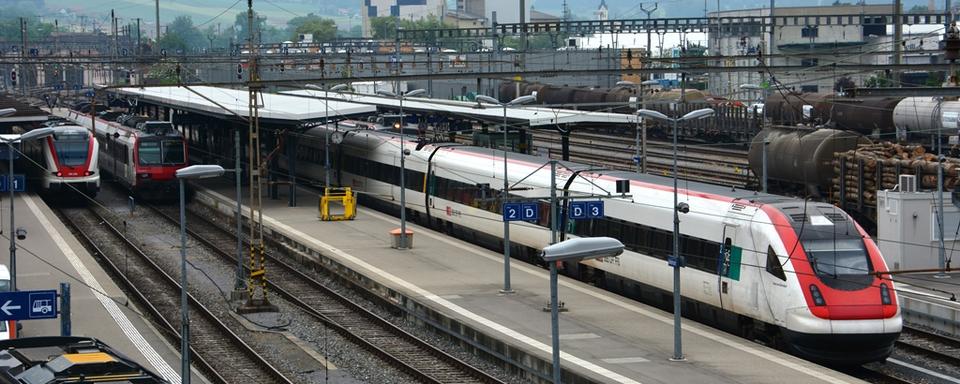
(343, 196)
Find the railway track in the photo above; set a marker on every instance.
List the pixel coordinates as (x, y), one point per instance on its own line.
(935, 350)
(919, 357)
(416, 357)
(215, 348)
(723, 166)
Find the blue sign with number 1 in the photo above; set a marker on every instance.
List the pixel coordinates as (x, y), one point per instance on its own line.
(19, 183)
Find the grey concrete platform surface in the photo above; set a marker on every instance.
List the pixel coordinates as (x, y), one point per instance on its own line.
(931, 300)
(50, 255)
(604, 337)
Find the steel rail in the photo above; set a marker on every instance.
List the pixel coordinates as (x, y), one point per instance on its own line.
(210, 354)
(420, 359)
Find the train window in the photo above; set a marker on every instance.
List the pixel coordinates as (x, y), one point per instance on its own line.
(835, 257)
(173, 152)
(773, 264)
(72, 149)
(149, 152)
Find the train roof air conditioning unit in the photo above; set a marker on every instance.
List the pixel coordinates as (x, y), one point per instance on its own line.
(908, 183)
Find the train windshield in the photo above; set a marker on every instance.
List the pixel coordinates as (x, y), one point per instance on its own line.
(161, 152)
(72, 147)
(837, 257)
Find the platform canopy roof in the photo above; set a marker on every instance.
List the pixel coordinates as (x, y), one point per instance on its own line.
(276, 107)
(531, 115)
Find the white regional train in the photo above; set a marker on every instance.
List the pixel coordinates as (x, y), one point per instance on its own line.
(786, 270)
(66, 161)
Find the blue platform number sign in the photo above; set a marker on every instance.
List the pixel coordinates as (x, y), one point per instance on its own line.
(76, 86)
(585, 210)
(521, 212)
(530, 212)
(578, 210)
(19, 183)
(595, 209)
(28, 305)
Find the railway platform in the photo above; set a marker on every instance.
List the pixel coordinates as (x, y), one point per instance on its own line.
(449, 283)
(50, 254)
(930, 300)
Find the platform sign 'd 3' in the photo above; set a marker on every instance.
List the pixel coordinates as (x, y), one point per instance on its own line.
(585, 210)
(28, 305)
(521, 212)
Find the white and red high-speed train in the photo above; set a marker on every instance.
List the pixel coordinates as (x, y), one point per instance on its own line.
(799, 273)
(66, 161)
(143, 155)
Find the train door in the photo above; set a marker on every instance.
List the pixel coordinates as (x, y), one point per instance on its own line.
(728, 265)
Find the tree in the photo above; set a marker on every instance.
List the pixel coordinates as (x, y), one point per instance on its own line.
(844, 83)
(383, 28)
(322, 29)
(182, 35)
(240, 25)
(10, 24)
(355, 31)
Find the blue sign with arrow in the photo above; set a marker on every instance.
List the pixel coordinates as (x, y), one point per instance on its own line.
(28, 305)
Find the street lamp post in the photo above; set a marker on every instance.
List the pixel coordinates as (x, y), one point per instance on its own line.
(677, 259)
(326, 118)
(573, 250)
(403, 169)
(640, 146)
(506, 183)
(191, 172)
(30, 135)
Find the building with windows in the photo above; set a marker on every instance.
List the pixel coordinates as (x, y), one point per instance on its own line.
(405, 9)
(810, 37)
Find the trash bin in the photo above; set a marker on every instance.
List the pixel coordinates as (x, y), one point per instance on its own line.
(395, 238)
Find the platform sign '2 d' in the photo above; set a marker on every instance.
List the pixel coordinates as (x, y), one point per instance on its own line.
(521, 212)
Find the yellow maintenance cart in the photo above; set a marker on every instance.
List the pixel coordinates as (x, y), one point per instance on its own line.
(345, 197)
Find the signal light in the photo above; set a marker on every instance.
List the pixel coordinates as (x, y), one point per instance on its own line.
(884, 294)
(817, 296)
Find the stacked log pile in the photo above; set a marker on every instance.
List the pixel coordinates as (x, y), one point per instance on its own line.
(881, 163)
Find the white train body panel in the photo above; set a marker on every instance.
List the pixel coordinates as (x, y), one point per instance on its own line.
(750, 287)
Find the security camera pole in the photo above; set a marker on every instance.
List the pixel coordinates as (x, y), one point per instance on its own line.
(403, 155)
(676, 259)
(506, 182)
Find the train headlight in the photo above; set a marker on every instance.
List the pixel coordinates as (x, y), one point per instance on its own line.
(144, 175)
(817, 296)
(59, 174)
(884, 294)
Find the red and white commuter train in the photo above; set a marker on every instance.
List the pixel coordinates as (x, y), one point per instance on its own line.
(141, 154)
(66, 161)
(799, 273)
